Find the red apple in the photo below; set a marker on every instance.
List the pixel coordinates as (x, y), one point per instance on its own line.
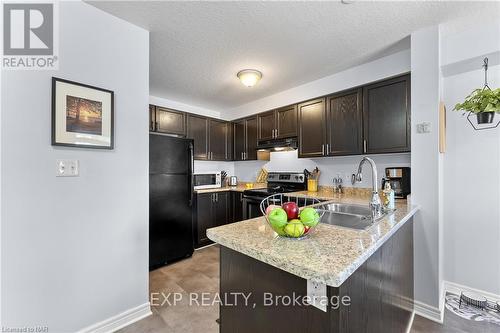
(306, 229)
(291, 209)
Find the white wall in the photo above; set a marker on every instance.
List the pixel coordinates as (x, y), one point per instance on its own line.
(183, 107)
(75, 250)
(382, 68)
(471, 163)
(330, 167)
(425, 164)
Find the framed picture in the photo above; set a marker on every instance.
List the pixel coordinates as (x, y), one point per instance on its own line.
(82, 115)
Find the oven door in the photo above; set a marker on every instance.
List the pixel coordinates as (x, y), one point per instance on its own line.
(251, 207)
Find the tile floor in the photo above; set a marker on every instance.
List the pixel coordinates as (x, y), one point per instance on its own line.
(200, 274)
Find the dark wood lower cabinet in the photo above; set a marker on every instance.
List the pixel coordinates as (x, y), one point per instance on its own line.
(237, 206)
(212, 210)
(380, 292)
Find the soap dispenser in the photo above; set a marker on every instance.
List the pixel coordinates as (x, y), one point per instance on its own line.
(388, 196)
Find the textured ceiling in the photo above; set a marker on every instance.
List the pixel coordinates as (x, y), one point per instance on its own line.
(196, 48)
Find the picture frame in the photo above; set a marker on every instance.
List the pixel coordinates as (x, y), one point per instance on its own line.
(82, 115)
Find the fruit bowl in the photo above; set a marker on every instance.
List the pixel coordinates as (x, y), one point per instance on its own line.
(291, 217)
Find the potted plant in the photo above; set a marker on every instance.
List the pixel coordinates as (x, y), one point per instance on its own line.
(483, 102)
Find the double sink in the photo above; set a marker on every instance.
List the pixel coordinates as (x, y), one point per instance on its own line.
(352, 216)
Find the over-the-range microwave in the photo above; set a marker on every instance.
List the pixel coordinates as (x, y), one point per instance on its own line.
(203, 180)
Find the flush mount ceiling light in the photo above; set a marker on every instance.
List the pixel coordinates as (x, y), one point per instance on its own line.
(249, 77)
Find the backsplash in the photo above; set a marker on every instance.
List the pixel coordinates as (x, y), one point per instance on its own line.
(208, 166)
(330, 166)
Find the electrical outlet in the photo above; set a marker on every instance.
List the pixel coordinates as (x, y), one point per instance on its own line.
(67, 168)
(316, 292)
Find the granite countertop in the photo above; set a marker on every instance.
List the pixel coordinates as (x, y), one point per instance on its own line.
(239, 188)
(330, 255)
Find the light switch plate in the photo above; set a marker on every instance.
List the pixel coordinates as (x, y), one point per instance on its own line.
(424, 127)
(316, 292)
(67, 168)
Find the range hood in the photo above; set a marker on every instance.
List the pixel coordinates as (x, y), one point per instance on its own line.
(286, 144)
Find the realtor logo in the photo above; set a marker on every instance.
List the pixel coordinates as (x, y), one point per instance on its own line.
(28, 36)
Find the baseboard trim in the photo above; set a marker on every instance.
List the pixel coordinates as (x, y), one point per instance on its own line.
(410, 324)
(204, 247)
(456, 289)
(429, 312)
(121, 320)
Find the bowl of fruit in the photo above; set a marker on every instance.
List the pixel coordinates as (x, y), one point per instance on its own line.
(291, 217)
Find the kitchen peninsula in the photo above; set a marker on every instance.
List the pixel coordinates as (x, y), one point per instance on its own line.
(373, 267)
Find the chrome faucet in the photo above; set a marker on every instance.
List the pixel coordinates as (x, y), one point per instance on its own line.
(375, 203)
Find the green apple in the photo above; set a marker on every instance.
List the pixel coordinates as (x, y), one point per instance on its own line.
(309, 217)
(294, 228)
(278, 219)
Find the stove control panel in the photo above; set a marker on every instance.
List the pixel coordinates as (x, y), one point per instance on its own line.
(285, 177)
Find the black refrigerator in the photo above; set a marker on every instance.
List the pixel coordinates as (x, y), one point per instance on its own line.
(170, 199)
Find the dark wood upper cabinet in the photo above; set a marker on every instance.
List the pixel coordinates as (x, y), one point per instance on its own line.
(280, 123)
(170, 121)
(239, 139)
(371, 119)
(286, 122)
(218, 140)
(344, 123)
(386, 113)
(266, 125)
(251, 138)
(197, 129)
(245, 139)
(152, 117)
(312, 128)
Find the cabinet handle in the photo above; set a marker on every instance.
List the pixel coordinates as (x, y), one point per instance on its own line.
(216, 197)
(273, 134)
(244, 155)
(327, 148)
(156, 125)
(213, 198)
(364, 146)
(323, 150)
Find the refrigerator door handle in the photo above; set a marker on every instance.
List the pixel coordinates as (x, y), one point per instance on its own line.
(191, 175)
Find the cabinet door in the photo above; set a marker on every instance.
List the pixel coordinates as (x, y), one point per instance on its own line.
(386, 112)
(152, 117)
(266, 125)
(221, 208)
(239, 139)
(286, 121)
(170, 121)
(344, 130)
(197, 129)
(251, 139)
(312, 128)
(205, 218)
(237, 202)
(218, 138)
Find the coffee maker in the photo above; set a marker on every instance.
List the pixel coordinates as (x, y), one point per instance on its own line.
(400, 180)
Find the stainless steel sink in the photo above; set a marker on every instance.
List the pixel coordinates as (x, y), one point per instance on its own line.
(350, 216)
